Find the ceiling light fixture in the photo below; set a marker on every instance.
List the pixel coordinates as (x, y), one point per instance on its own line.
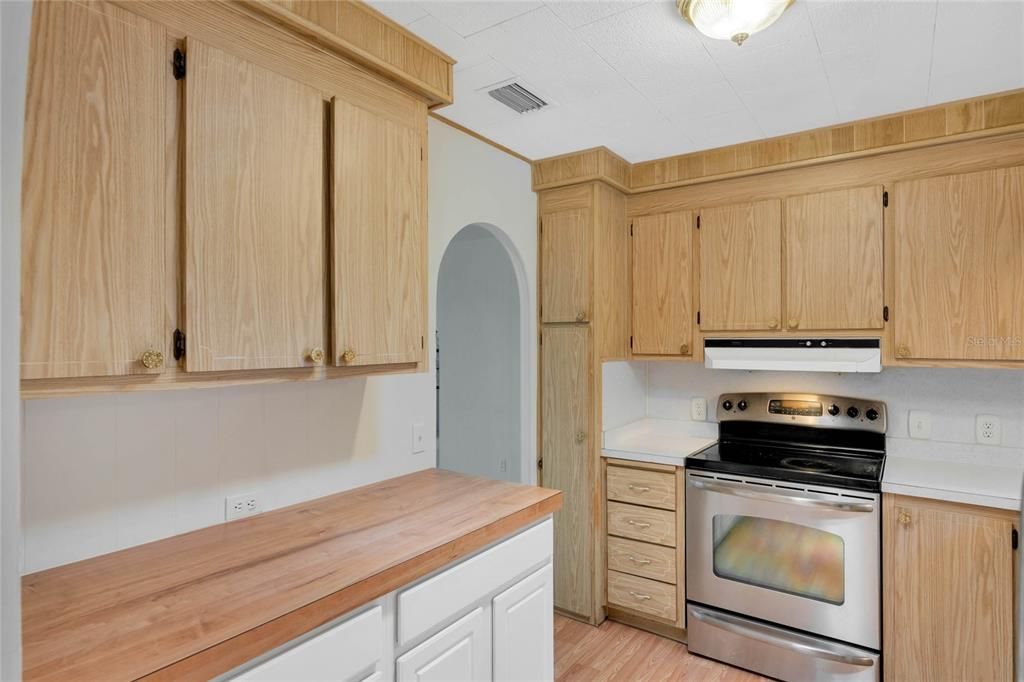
(734, 20)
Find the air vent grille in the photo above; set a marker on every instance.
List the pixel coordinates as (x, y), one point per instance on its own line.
(518, 98)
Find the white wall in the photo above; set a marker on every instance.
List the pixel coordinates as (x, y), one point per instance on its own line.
(15, 20)
(478, 331)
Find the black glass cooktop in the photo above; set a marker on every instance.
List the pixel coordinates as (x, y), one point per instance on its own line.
(832, 467)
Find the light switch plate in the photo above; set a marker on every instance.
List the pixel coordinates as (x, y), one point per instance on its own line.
(418, 444)
(988, 429)
(919, 424)
(699, 409)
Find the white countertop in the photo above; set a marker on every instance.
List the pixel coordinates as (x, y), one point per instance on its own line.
(661, 441)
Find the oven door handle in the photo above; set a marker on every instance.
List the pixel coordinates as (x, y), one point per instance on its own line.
(761, 633)
(740, 490)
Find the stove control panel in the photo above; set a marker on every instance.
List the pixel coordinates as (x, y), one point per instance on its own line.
(804, 409)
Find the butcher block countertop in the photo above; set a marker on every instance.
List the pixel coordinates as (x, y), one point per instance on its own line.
(196, 605)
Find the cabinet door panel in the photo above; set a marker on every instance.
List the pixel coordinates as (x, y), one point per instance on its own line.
(524, 630)
(379, 239)
(459, 653)
(948, 592)
(663, 284)
(567, 398)
(959, 270)
(834, 260)
(93, 277)
(567, 266)
(254, 215)
(740, 267)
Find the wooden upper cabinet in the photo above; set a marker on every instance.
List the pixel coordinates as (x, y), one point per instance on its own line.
(567, 265)
(947, 568)
(379, 233)
(833, 253)
(959, 267)
(740, 267)
(663, 284)
(93, 245)
(254, 216)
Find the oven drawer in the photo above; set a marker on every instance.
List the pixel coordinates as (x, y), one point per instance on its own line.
(651, 488)
(640, 523)
(642, 595)
(643, 559)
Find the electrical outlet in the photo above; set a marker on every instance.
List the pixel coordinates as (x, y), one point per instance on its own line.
(699, 409)
(988, 429)
(240, 506)
(418, 445)
(503, 466)
(920, 424)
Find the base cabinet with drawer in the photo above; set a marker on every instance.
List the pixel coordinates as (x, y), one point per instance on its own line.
(488, 617)
(645, 545)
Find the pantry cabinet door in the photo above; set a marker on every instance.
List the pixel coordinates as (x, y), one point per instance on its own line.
(663, 284)
(93, 276)
(740, 267)
(379, 233)
(567, 265)
(948, 591)
(959, 270)
(567, 395)
(254, 216)
(833, 253)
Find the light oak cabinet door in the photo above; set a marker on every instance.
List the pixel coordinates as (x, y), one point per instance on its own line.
(566, 447)
(379, 234)
(740, 267)
(93, 247)
(254, 216)
(833, 253)
(663, 284)
(959, 268)
(948, 592)
(566, 266)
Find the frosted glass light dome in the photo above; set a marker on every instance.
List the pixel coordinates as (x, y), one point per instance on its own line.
(734, 20)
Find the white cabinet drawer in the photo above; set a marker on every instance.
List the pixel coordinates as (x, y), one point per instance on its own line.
(459, 653)
(340, 653)
(423, 606)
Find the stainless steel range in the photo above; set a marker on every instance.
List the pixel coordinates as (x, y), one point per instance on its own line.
(783, 536)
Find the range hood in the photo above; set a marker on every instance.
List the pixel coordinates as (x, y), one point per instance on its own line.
(795, 354)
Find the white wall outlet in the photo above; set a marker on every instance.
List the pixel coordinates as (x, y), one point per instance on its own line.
(699, 409)
(418, 444)
(240, 506)
(919, 424)
(988, 429)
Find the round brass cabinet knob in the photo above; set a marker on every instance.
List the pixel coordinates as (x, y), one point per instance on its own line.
(903, 351)
(316, 355)
(773, 323)
(152, 359)
(794, 323)
(581, 316)
(348, 356)
(580, 436)
(684, 349)
(903, 518)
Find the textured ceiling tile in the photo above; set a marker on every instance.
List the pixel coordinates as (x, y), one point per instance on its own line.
(466, 54)
(402, 11)
(723, 129)
(482, 75)
(534, 42)
(864, 85)
(697, 101)
(575, 13)
(841, 25)
(467, 18)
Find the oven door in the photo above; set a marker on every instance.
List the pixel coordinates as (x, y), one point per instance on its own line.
(802, 556)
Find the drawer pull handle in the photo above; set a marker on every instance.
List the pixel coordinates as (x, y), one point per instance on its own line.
(641, 597)
(641, 562)
(638, 524)
(639, 488)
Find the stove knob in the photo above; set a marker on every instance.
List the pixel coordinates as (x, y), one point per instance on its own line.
(871, 414)
(727, 405)
(833, 409)
(742, 405)
(852, 412)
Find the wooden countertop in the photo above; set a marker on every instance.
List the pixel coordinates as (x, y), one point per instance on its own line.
(199, 604)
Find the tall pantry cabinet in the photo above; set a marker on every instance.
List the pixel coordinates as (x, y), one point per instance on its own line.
(584, 309)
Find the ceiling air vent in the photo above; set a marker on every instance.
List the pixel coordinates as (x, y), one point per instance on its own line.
(516, 97)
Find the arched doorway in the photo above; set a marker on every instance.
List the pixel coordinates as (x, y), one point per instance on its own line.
(481, 360)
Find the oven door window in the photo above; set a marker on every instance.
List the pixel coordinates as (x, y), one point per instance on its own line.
(777, 555)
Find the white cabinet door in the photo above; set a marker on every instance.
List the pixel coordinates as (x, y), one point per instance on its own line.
(459, 653)
(524, 630)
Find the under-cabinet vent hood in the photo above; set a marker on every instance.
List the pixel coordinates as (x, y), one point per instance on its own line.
(795, 355)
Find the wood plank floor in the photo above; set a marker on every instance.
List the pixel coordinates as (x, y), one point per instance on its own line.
(615, 651)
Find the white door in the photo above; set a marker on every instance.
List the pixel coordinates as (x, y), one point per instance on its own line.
(524, 630)
(459, 653)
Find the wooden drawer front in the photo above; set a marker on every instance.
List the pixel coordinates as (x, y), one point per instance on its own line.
(652, 488)
(641, 523)
(641, 594)
(643, 559)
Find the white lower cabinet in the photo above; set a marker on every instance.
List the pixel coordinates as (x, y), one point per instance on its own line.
(459, 653)
(524, 637)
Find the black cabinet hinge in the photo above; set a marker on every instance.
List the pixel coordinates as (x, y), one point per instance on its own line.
(631, 229)
(179, 344)
(885, 199)
(698, 221)
(540, 339)
(541, 227)
(423, 342)
(885, 313)
(540, 463)
(631, 343)
(698, 317)
(178, 65)
(1015, 538)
